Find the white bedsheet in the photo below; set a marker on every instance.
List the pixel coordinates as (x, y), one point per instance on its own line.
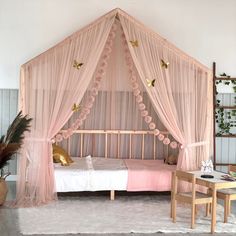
(91, 174)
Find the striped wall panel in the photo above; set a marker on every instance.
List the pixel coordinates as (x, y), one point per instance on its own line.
(8, 111)
(225, 147)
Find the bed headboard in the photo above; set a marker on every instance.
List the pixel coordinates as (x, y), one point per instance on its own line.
(130, 136)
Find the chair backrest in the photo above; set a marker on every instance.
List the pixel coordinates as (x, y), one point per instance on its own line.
(179, 175)
(185, 176)
(232, 168)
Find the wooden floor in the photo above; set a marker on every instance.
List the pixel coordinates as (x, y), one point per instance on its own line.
(9, 222)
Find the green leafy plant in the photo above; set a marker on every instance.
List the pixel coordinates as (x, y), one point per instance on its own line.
(225, 128)
(12, 141)
(233, 112)
(225, 120)
(229, 82)
(218, 102)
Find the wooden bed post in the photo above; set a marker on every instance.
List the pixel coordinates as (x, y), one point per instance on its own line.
(105, 145)
(143, 144)
(112, 195)
(167, 146)
(118, 145)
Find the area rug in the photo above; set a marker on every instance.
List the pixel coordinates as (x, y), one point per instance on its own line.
(127, 214)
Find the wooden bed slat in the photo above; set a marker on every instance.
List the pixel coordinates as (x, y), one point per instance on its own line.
(68, 146)
(130, 146)
(143, 145)
(154, 147)
(105, 145)
(118, 145)
(167, 147)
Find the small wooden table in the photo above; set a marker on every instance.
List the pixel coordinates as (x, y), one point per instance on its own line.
(214, 184)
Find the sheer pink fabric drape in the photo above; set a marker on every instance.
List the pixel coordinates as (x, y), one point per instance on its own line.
(182, 93)
(49, 87)
(115, 108)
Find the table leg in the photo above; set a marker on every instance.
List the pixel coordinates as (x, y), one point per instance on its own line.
(213, 211)
(226, 209)
(229, 206)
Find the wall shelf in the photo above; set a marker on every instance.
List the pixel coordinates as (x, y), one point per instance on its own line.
(223, 78)
(226, 136)
(225, 107)
(224, 164)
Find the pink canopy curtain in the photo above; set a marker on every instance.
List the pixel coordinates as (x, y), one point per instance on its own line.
(115, 108)
(50, 84)
(182, 95)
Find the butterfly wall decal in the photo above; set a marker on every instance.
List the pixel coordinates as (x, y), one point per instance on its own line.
(164, 64)
(77, 65)
(151, 82)
(134, 43)
(75, 107)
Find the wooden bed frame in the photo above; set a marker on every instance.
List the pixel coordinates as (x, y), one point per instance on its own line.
(130, 133)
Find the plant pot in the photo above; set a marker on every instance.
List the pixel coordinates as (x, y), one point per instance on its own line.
(3, 191)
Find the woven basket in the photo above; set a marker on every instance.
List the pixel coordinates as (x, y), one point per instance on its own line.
(3, 191)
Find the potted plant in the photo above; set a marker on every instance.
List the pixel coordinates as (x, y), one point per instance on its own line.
(9, 145)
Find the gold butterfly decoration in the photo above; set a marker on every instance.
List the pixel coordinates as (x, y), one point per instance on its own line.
(77, 65)
(164, 64)
(134, 43)
(75, 107)
(151, 82)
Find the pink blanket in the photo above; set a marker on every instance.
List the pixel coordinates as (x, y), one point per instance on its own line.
(149, 175)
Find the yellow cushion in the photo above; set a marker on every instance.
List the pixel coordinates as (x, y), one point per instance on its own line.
(61, 156)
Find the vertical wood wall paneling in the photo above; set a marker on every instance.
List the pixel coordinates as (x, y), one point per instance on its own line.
(232, 141)
(8, 111)
(226, 147)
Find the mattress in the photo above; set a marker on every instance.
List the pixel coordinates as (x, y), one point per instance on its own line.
(91, 174)
(149, 175)
(98, 174)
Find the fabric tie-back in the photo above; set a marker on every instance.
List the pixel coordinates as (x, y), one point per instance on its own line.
(38, 140)
(189, 145)
(50, 85)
